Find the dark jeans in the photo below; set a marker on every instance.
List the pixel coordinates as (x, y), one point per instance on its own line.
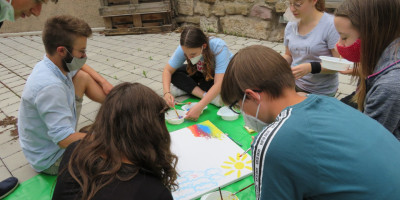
(183, 81)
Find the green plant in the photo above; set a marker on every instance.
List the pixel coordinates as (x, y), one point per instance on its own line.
(150, 58)
(139, 49)
(145, 74)
(115, 77)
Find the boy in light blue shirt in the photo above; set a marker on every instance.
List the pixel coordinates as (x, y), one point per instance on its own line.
(48, 112)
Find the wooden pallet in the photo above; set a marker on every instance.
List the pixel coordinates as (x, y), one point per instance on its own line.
(136, 17)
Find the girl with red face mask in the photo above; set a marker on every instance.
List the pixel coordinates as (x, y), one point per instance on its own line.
(370, 36)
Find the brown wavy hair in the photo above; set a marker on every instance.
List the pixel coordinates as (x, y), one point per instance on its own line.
(377, 21)
(129, 125)
(194, 37)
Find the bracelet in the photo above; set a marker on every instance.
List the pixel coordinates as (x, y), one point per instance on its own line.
(166, 93)
(315, 67)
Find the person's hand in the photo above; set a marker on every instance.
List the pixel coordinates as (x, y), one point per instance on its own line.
(347, 72)
(194, 113)
(169, 99)
(301, 70)
(106, 87)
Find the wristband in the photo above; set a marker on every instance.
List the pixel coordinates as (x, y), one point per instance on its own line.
(315, 67)
(166, 93)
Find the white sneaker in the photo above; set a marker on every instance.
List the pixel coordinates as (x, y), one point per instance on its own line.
(176, 92)
(217, 101)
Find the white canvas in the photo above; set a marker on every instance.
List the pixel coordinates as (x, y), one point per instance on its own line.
(207, 160)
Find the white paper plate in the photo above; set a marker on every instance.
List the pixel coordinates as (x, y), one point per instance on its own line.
(227, 114)
(336, 64)
(226, 195)
(172, 118)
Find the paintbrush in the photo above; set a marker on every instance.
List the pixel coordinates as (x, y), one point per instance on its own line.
(177, 113)
(220, 193)
(180, 103)
(245, 152)
(242, 189)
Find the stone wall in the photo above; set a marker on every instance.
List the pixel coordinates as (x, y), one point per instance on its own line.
(258, 19)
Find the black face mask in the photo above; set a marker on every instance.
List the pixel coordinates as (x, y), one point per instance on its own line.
(68, 58)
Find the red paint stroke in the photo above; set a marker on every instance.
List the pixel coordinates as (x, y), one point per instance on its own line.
(199, 130)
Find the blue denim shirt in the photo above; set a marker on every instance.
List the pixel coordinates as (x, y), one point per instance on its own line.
(46, 114)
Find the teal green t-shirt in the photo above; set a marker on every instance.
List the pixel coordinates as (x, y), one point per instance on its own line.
(324, 149)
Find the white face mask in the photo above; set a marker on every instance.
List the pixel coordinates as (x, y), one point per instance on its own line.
(196, 59)
(253, 122)
(6, 11)
(76, 63)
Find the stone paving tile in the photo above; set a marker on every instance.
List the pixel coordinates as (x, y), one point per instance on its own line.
(9, 148)
(4, 173)
(24, 173)
(129, 58)
(15, 161)
(5, 94)
(5, 137)
(90, 107)
(9, 101)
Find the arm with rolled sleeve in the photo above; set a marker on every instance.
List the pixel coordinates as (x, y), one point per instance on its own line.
(54, 110)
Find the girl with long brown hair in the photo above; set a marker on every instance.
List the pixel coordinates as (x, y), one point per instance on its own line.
(207, 59)
(370, 36)
(125, 155)
(310, 36)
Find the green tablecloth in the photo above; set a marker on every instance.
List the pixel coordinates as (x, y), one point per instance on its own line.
(235, 131)
(41, 186)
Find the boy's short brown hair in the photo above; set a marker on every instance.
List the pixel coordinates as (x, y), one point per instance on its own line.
(62, 31)
(258, 68)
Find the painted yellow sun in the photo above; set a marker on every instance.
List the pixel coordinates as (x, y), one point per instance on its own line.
(237, 164)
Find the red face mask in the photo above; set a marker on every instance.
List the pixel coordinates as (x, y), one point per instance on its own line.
(352, 52)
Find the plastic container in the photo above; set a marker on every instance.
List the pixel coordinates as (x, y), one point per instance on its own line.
(336, 64)
(227, 114)
(187, 107)
(172, 118)
(226, 195)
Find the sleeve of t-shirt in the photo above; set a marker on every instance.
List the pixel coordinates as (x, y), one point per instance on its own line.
(332, 36)
(178, 58)
(288, 30)
(52, 105)
(222, 55)
(285, 176)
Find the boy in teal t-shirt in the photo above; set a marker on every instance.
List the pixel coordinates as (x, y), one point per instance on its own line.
(311, 147)
(323, 149)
